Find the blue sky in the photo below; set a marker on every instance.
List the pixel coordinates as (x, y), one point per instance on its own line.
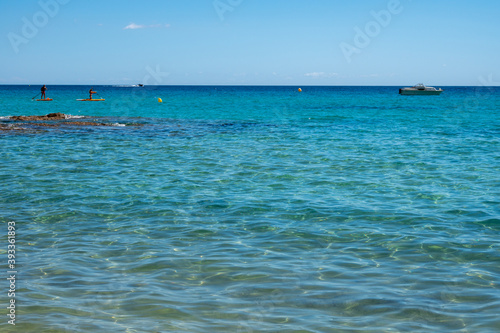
(273, 42)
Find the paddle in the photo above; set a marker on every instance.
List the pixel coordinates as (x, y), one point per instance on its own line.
(34, 97)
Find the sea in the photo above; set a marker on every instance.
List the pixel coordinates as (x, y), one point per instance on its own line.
(250, 209)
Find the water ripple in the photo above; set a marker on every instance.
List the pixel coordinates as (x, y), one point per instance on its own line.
(334, 217)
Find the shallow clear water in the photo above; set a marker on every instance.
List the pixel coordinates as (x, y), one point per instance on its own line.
(255, 209)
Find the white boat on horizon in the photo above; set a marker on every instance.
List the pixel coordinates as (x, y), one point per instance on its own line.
(420, 89)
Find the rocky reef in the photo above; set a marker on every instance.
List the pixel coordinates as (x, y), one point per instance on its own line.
(50, 116)
(30, 123)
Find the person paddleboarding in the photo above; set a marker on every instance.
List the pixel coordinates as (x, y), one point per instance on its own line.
(92, 99)
(43, 90)
(91, 92)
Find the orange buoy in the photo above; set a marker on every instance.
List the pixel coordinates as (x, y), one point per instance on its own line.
(300, 89)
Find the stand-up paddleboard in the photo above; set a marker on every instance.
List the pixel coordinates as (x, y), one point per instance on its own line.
(44, 100)
(91, 100)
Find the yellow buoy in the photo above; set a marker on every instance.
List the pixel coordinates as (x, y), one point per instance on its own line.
(159, 100)
(300, 89)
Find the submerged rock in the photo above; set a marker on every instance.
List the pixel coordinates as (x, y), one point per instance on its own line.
(51, 120)
(50, 116)
(72, 123)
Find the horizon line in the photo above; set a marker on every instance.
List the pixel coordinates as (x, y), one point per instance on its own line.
(228, 85)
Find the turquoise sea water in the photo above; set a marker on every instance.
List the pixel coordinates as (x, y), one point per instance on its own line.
(253, 209)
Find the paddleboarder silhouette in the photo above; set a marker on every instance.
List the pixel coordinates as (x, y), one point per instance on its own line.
(43, 89)
(91, 92)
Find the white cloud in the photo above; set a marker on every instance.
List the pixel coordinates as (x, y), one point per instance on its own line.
(133, 26)
(141, 26)
(320, 74)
